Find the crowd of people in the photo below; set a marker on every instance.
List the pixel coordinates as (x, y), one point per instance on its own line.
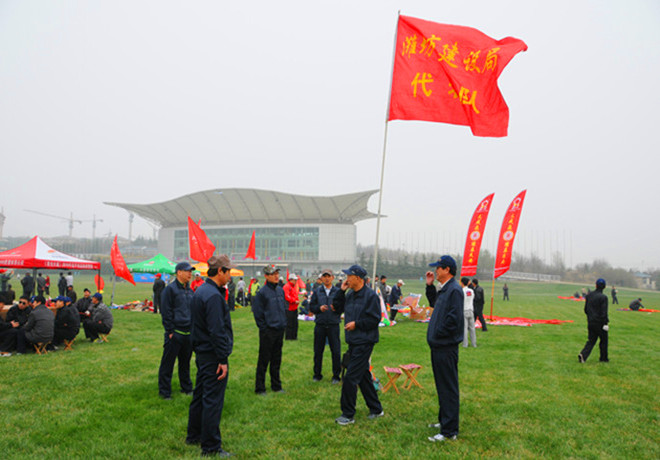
(39, 319)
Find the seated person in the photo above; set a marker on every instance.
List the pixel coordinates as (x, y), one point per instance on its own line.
(7, 332)
(636, 304)
(304, 306)
(40, 326)
(82, 305)
(71, 293)
(20, 312)
(67, 320)
(99, 318)
(10, 295)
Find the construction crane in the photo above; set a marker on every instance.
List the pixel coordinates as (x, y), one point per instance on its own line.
(71, 221)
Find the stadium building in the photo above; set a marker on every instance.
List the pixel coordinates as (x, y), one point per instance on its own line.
(303, 233)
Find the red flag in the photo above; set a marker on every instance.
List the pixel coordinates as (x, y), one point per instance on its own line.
(201, 248)
(474, 237)
(100, 284)
(251, 252)
(507, 235)
(118, 263)
(448, 74)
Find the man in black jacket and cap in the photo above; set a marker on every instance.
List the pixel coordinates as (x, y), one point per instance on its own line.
(327, 326)
(444, 334)
(595, 307)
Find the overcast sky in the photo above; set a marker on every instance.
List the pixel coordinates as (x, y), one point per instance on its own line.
(145, 101)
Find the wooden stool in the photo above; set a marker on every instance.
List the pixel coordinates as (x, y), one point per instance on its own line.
(411, 371)
(68, 344)
(40, 348)
(392, 373)
(104, 337)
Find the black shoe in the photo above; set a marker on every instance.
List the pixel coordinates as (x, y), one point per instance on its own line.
(189, 393)
(193, 442)
(167, 398)
(260, 393)
(217, 453)
(335, 381)
(317, 379)
(604, 360)
(281, 390)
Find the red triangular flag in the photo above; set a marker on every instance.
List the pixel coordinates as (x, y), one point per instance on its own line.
(251, 252)
(118, 263)
(201, 248)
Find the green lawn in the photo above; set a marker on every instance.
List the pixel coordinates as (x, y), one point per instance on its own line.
(523, 393)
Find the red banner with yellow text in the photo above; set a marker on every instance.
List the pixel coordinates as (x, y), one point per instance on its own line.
(201, 248)
(474, 237)
(508, 235)
(448, 74)
(119, 264)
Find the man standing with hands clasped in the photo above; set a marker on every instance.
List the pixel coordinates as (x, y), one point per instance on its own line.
(361, 307)
(444, 334)
(595, 308)
(212, 339)
(327, 326)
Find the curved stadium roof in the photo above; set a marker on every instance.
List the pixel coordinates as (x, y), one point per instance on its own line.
(251, 206)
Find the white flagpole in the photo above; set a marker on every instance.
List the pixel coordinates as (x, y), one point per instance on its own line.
(382, 167)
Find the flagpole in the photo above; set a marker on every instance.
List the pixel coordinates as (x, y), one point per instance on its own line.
(112, 297)
(382, 167)
(492, 297)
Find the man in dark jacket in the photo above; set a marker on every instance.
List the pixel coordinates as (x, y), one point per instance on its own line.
(327, 326)
(595, 307)
(20, 312)
(269, 308)
(395, 296)
(212, 339)
(158, 287)
(479, 301)
(28, 285)
(61, 284)
(67, 320)
(175, 314)
(361, 308)
(99, 319)
(444, 334)
(41, 284)
(83, 303)
(39, 328)
(8, 331)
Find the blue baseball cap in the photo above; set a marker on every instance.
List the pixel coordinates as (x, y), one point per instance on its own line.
(184, 266)
(67, 299)
(356, 270)
(58, 298)
(445, 261)
(98, 296)
(600, 282)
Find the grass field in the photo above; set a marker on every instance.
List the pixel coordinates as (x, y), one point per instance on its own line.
(523, 393)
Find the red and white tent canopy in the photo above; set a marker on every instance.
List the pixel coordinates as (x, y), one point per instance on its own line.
(37, 254)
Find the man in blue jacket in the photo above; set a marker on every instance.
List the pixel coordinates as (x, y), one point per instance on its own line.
(361, 308)
(175, 314)
(269, 308)
(327, 326)
(212, 339)
(444, 334)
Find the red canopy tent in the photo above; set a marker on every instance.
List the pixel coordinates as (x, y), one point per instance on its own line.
(37, 254)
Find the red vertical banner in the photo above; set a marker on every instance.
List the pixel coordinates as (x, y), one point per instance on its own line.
(119, 264)
(200, 246)
(475, 236)
(252, 249)
(508, 235)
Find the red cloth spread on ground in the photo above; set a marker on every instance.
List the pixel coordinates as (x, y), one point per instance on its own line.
(503, 321)
(572, 297)
(647, 310)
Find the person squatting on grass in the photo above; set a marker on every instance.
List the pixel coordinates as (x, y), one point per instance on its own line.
(212, 339)
(444, 334)
(99, 318)
(269, 308)
(361, 308)
(175, 315)
(595, 307)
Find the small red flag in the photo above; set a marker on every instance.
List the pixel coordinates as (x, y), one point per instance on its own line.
(448, 74)
(201, 248)
(251, 252)
(475, 236)
(507, 235)
(100, 284)
(118, 263)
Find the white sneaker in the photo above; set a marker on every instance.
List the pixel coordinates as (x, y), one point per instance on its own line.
(435, 425)
(5, 354)
(440, 438)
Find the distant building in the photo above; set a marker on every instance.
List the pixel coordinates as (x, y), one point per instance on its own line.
(644, 281)
(303, 233)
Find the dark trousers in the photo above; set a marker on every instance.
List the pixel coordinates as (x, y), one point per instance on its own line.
(270, 354)
(479, 314)
(178, 346)
(22, 341)
(93, 329)
(393, 312)
(156, 302)
(445, 372)
(358, 374)
(206, 407)
(614, 300)
(292, 324)
(331, 333)
(64, 333)
(8, 339)
(596, 332)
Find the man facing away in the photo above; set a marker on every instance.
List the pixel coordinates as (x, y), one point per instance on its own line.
(444, 333)
(361, 308)
(175, 315)
(158, 288)
(479, 300)
(326, 327)
(595, 307)
(212, 339)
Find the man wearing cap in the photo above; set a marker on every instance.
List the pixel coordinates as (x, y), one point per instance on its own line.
(99, 318)
(83, 303)
(175, 315)
(158, 288)
(40, 325)
(361, 308)
(395, 296)
(444, 334)
(595, 307)
(197, 281)
(212, 339)
(269, 308)
(292, 296)
(326, 326)
(67, 320)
